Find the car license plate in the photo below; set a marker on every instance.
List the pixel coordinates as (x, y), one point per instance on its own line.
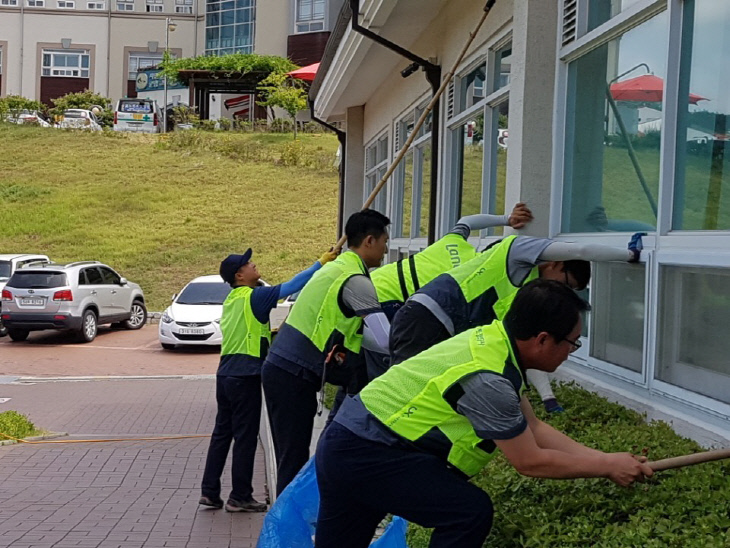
(189, 331)
(28, 301)
(137, 116)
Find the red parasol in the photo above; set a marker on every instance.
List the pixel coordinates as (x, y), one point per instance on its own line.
(305, 73)
(645, 89)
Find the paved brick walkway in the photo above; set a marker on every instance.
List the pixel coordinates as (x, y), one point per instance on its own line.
(124, 494)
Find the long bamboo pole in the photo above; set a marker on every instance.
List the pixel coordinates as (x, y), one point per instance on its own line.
(688, 460)
(414, 133)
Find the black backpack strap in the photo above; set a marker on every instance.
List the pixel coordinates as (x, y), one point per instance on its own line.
(414, 274)
(402, 280)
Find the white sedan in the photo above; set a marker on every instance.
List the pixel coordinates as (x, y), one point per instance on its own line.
(194, 316)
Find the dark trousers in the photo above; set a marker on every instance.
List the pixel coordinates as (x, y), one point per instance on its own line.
(291, 403)
(361, 481)
(414, 329)
(376, 363)
(239, 414)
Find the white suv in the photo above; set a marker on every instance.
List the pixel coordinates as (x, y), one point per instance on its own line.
(77, 296)
(9, 263)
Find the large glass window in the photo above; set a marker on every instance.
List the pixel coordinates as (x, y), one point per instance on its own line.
(470, 146)
(471, 88)
(230, 26)
(66, 62)
(617, 328)
(412, 178)
(376, 164)
(139, 60)
(613, 132)
(702, 177)
(600, 11)
(310, 15)
(693, 343)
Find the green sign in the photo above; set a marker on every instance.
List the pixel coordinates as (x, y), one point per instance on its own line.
(153, 80)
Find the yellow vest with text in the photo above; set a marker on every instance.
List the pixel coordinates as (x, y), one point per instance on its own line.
(317, 313)
(399, 280)
(487, 277)
(419, 395)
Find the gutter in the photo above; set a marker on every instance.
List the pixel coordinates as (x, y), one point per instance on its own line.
(433, 75)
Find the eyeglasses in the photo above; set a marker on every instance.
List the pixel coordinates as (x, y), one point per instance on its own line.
(576, 343)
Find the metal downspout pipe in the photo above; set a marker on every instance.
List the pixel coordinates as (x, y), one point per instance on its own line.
(433, 75)
(342, 138)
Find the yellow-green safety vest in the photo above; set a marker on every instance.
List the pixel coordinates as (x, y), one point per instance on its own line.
(243, 335)
(399, 280)
(316, 314)
(415, 397)
(487, 277)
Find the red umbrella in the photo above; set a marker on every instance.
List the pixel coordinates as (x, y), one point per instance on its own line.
(305, 73)
(645, 89)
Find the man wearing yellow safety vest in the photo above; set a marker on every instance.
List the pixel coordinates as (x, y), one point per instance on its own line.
(326, 321)
(407, 444)
(246, 339)
(397, 281)
(482, 290)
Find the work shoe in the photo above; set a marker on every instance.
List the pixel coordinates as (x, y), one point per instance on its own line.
(552, 406)
(211, 501)
(251, 505)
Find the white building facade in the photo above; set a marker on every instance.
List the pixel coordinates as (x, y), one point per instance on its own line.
(52, 47)
(552, 107)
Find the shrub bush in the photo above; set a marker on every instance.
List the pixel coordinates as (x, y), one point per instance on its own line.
(15, 104)
(16, 425)
(675, 508)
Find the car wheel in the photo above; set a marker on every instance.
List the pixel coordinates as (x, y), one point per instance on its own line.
(89, 326)
(3, 330)
(18, 334)
(167, 346)
(138, 316)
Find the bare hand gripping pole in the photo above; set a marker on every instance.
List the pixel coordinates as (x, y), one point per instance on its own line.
(414, 132)
(688, 460)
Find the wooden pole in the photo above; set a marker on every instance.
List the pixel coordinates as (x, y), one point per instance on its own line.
(689, 460)
(414, 133)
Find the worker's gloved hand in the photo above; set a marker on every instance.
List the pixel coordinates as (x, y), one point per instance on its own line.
(635, 247)
(328, 256)
(520, 216)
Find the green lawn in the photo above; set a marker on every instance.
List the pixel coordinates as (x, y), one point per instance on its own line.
(164, 210)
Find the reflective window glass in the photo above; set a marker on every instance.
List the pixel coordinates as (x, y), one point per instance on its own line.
(600, 11)
(613, 132)
(693, 346)
(617, 331)
(502, 67)
(702, 177)
(470, 149)
(472, 88)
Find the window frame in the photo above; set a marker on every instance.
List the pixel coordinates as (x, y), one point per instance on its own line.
(61, 70)
(96, 6)
(310, 21)
(67, 4)
(377, 170)
(9, 3)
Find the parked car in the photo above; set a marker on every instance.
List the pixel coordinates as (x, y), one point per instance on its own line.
(77, 118)
(27, 117)
(76, 296)
(194, 316)
(9, 263)
(137, 115)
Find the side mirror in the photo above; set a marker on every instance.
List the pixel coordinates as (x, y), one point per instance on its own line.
(122, 281)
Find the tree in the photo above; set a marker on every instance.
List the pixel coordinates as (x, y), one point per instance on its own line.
(279, 90)
(86, 100)
(13, 105)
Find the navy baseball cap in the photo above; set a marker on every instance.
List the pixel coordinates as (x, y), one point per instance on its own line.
(231, 264)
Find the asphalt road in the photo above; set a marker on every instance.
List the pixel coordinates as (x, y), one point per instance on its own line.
(114, 352)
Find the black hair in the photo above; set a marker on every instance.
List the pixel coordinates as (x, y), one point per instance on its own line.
(544, 305)
(580, 270)
(362, 224)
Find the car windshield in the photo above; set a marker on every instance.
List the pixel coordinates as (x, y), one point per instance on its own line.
(144, 107)
(37, 280)
(5, 268)
(204, 293)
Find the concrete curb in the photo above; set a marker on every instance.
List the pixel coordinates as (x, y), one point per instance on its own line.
(35, 380)
(49, 436)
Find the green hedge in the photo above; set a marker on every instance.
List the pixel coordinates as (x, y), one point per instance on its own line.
(688, 507)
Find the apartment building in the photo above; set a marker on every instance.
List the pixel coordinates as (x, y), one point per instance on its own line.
(52, 47)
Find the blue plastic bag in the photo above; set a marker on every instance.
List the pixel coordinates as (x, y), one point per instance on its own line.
(291, 521)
